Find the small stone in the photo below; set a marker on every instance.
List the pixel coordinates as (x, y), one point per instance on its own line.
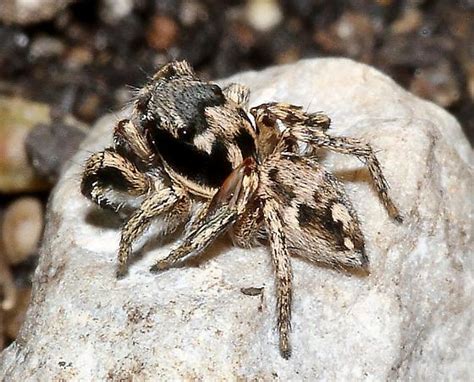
(8, 292)
(21, 229)
(417, 49)
(409, 319)
(437, 83)
(13, 318)
(46, 47)
(353, 34)
(14, 47)
(191, 12)
(79, 56)
(2, 338)
(162, 33)
(410, 21)
(263, 15)
(30, 11)
(17, 118)
(51, 146)
(87, 106)
(112, 11)
(470, 79)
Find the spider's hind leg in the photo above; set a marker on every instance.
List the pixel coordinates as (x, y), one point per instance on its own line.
(268, 114)
(365, 152)
(283, 274)
(311, 128)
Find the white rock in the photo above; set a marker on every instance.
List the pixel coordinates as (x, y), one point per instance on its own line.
(410, 319)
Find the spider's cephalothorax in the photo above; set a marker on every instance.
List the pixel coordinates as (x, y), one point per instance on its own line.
(190, 153)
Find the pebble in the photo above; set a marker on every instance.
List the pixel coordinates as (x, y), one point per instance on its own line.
(8, 293)
(437, 83)
(2, 340)
(356, 35)
(30, 11)
(21, 229)
(112, 11)
(46, 47)
(263, 15)
(470, 79)
(50, 147)
(162, 33)
(191, 12)
(432, 180)
(410, 20)
(353, 34)
(78, 57)
(13, 319)
(17, 118)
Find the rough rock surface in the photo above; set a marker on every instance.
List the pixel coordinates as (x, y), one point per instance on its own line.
(410, 318)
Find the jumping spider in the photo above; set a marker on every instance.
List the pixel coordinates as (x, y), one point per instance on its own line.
(191, 153)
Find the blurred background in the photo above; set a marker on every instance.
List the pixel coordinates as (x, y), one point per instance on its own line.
(65, 63)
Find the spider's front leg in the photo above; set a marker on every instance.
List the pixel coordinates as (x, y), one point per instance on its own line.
(111, 180)
(311, 128)
(172, 202)
(126, 174)
(223, 210)
(111, 177)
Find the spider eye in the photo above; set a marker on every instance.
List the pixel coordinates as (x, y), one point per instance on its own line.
(216, 90)
(187, 133)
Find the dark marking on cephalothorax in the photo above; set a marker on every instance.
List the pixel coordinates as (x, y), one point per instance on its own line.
(194, 98)
(246, 143)
(189, 101)
(206, 169)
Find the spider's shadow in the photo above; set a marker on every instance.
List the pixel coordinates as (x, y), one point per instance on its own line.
(344, 270)
(106, 219)
(103, 219)
(352, 175)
